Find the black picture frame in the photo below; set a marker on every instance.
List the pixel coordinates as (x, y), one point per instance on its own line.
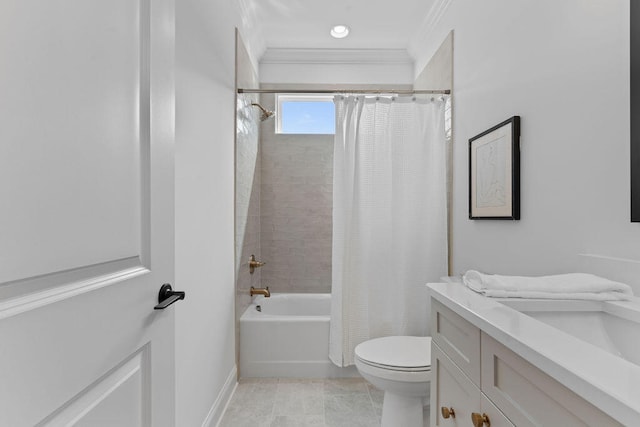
(635, 111)
(494, 172)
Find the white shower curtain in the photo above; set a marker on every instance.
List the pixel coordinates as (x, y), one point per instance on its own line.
(389, 217)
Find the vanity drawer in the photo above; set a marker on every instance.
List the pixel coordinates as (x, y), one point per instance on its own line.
(528, 396)
(459, 339)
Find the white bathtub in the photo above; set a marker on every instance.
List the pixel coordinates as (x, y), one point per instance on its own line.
(288, 337)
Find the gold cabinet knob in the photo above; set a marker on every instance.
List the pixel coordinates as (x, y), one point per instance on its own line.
(448, 412)
(480, 420)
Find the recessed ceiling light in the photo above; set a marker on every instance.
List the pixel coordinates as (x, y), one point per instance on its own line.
(340, 31)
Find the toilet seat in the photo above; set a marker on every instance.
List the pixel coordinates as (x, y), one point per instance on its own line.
(396, 353)
(395, 368)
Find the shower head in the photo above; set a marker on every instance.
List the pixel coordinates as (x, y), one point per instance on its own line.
(265, 114)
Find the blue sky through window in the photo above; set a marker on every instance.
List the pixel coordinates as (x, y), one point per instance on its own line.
(304, 117)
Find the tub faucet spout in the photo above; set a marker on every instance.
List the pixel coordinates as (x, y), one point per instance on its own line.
(260, 291)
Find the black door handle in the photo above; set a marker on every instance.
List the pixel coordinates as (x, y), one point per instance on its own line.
(167, 296)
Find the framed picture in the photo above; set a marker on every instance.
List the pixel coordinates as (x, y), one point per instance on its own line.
(494, 172)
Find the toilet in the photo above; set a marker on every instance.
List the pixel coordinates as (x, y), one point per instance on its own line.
(401, 367)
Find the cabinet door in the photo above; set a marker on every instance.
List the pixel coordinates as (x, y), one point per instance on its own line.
(496, 417)
(451, 389)
(528, 396)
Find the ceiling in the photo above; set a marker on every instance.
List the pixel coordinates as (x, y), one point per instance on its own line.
(305, 24)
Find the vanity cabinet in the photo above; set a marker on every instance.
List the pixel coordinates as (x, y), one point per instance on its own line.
(474, 373)
(456, 374)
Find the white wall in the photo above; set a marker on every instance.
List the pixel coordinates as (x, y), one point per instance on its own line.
(351, 67)
(564, 68)
(205, 105)
(339, 73)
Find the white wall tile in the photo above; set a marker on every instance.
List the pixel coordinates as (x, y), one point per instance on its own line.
(296, 202)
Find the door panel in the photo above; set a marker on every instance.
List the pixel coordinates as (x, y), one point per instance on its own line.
(71, 134)
(119, 399)
(86, 225)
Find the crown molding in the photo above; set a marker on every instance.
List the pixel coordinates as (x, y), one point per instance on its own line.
(336, 56)
(432, 19)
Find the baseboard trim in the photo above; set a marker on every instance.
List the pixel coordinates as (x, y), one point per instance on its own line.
(295, 369)
(220, 405)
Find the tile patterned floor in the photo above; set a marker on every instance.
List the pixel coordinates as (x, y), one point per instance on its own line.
(284, 402)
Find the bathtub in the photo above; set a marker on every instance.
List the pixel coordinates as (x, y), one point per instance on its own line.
(287, 335)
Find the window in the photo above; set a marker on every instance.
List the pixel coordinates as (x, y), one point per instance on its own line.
(305, 114)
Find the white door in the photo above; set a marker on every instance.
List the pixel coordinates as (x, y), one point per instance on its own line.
(86, 212)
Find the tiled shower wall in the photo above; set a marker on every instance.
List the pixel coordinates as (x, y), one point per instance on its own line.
(296, 201)
(247, 199)
(247, 188)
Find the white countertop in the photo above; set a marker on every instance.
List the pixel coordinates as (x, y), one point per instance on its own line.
(609, 382)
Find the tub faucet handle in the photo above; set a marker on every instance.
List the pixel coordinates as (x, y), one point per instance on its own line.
(253, 264)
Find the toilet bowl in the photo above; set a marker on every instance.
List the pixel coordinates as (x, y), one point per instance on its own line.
(401, 367)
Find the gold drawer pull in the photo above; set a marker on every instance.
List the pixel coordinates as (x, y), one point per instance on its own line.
(480, 420)
(448, 412)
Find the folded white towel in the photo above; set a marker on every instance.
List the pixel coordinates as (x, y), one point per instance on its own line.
(561, 286)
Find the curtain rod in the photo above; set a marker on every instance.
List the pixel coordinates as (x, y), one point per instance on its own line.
(363, 91)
